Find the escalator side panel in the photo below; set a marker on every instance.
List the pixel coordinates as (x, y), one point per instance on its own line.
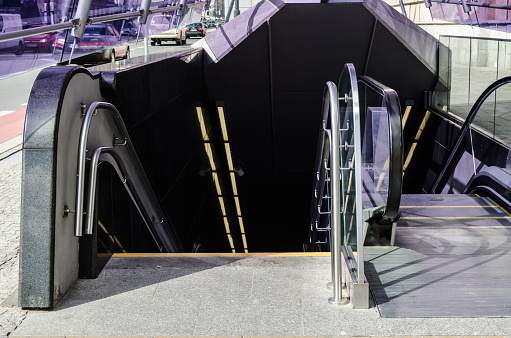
(432, 151)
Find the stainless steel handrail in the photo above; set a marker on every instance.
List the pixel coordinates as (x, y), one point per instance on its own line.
(73, 23)
(322, 159)
(34, 31)
(329, 159)
(328, 152)
(123, 175)
(167, 239)
(82, 152)
(331, 107)
(357, 168)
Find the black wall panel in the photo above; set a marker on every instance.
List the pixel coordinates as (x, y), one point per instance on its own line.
(244, 70)
(157, 101)
(312, 42)
(392, 63)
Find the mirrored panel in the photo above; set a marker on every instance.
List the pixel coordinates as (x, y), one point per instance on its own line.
(101, 43)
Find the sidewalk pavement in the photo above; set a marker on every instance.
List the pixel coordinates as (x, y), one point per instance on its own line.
(10, 204)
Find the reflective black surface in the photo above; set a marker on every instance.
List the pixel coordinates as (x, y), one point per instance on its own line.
(118, 225)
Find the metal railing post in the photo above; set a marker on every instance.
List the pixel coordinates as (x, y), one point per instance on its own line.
(144, 11)
(81, 18)
(229, 11)
(335, 167)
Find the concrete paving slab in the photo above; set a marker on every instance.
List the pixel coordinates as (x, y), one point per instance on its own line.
(287, 283)
(275, 318)
(56, 323)
(111, 285)
(123, 317)
(251, 317)
(323, 319)
(228, 300)
(294, 261)
(217, 283)
(187, 262)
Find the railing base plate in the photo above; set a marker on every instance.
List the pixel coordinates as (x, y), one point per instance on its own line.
(342, 301)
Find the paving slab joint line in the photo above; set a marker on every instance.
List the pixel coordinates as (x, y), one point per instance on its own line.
(18, 323)
(392, 336)
(10, 151)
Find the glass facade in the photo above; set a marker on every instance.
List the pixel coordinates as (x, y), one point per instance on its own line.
(102, 42)
(493, 18)
(468, 65)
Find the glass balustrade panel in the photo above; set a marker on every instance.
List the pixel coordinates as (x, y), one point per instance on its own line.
(503, 113)
(375, 147)
(347, 159)
(460, 76)
(483, 72)
(441, 95)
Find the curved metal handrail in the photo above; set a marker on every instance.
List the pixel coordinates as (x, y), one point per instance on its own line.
(339, 150)
(391, 98)
(122, 172)
(82, 151)
(323, 155)
(465, 127)
(328, 152)
(168, 240)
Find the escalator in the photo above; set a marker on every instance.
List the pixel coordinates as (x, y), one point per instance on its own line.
(389, 216)
(485, 199)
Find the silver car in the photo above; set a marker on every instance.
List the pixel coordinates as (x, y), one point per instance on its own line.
(162, 28)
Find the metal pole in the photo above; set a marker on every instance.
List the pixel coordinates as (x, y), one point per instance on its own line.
(403, 8)
(229, 11)
(81, 18)
(236, 8)
(146, 48)
(48, 13)
(335, 170)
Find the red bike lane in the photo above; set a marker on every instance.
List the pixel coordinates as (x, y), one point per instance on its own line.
(11, 125)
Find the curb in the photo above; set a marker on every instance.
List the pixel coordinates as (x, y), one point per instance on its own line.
(11, 147)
